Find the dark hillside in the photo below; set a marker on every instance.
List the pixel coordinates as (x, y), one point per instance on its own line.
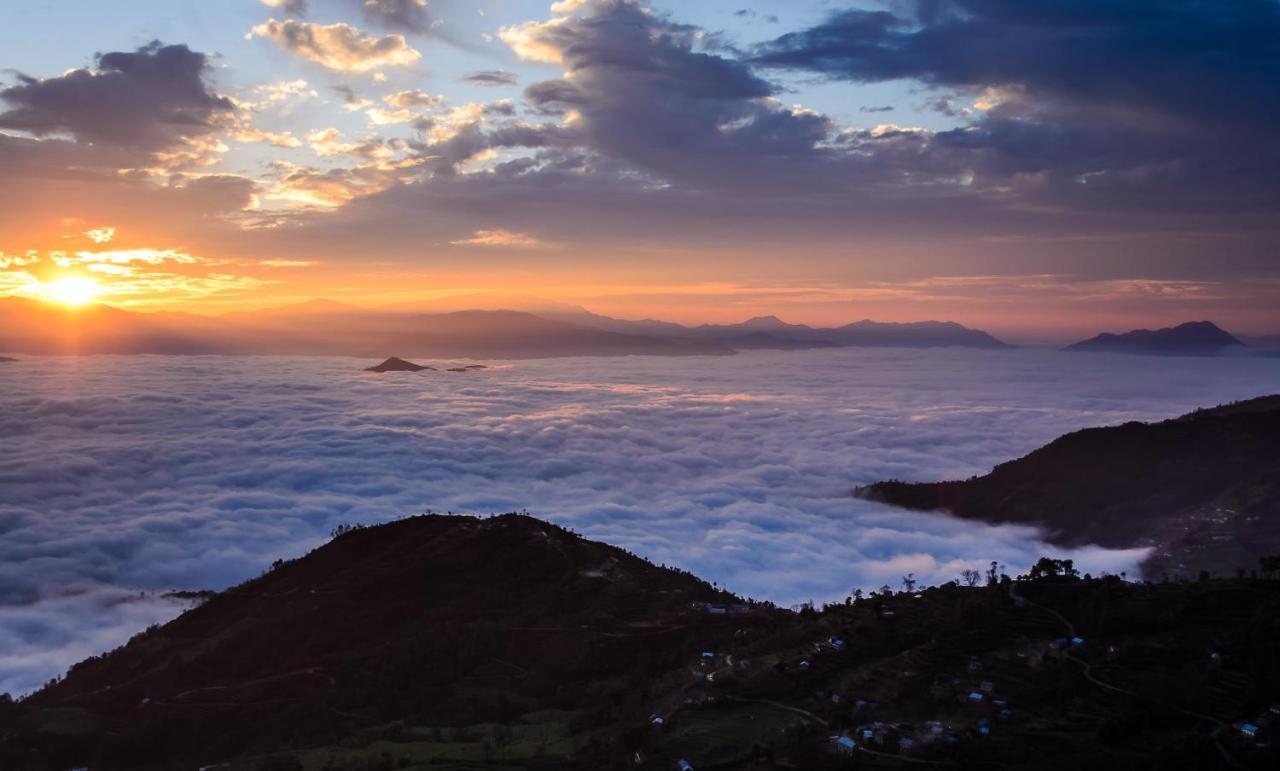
(425, 616)
(508, 643)
(1211, 476)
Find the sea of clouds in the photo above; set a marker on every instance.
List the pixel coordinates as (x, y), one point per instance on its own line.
(124, 477)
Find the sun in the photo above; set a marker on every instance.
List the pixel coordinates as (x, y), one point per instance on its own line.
(72, 291)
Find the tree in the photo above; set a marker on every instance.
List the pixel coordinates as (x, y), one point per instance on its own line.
(1047, 567)
(909, 582)
(971, 577)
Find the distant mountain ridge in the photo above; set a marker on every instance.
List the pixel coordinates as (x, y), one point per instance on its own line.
(322, 328)
(771, 332)
(1194, 338)
(1203, 488)
(326, 327)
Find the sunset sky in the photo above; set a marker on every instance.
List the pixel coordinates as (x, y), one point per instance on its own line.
(1036, 168)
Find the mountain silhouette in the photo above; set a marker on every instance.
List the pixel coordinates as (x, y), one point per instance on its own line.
(1202, 489)
(1194, 338)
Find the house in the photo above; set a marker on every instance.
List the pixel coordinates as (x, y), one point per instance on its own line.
(836, 643)
(1076, 642)
(976, 697)
(739, 608)
(1248, 729)
(657, 721)
(905, 744)
(717, 610)
(708, 655)
(844, 744)
(683, 765)
(805, 664)
(987, 686)
(984, 727)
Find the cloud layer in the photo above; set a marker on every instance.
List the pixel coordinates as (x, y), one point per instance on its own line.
(123, 474)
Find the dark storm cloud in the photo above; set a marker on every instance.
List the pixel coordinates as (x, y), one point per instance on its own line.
(645, 94)
(1155, 106)
(149, 99)
(492, 78)
(1189, 60)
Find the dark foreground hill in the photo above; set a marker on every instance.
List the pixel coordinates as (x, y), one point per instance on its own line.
(1204, 489)
(1194, 338)
(464, 643)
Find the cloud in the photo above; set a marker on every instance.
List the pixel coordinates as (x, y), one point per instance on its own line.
(639, 89)
(282, 139)
(407, 99)
(150, 99)
(122, 476)
(330, 188)
(289, 7)
(100, 235)
(501, 238)
(288, 263)
(492, 78)
(1163, 104)
(337, 46)
(1180, 59)
(406, 15)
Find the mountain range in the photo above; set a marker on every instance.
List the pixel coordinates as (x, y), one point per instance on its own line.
(1203, 489)
(537, 330)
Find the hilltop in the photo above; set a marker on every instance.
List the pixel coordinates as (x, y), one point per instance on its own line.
(437, 617)
(1194, 338)
(396, 364)
(456, 642)
(1203, 489)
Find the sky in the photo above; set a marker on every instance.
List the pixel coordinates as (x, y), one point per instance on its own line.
(131, 474)
(1041, 169)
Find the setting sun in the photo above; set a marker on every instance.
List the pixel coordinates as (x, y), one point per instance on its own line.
(72, 291)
